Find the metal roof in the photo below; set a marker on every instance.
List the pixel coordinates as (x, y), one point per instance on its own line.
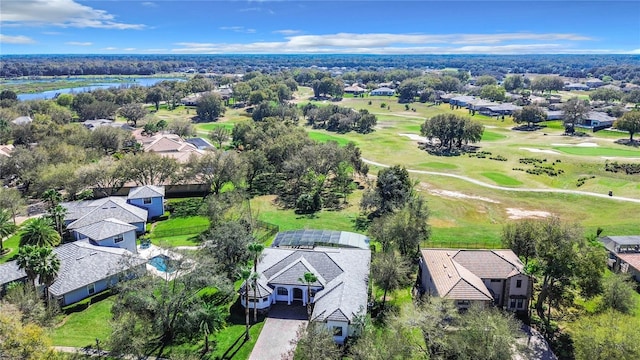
(311, 238)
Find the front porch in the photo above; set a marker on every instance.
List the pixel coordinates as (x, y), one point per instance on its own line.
(291, 293)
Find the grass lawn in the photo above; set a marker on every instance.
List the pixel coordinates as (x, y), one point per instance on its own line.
(230, 341)
(501, 179)
(83, 328)
(324, 136)
(12, 243)
(182, 231)
(598, 151)
(492, 136)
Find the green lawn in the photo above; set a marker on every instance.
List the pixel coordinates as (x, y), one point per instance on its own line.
(597, 151)
(83, 328)
(324, 137)
(492, 136)
(501, 179)
(182, 231)
(11, 243)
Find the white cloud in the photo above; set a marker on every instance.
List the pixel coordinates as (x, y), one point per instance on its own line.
(149, 4)
(238, 29)
(129, 49)
(79, 43)
(110, 48)
(287, 32)
(161, 51)
(385, 43)
(64, 13)
(18, 39)
(51, 33)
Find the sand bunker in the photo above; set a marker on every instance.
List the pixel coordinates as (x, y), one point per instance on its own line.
(540, 151)
(459, 195)
(583, 144)
(517, 214)
(415, 137)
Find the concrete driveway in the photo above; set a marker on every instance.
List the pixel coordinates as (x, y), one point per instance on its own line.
(279, 331)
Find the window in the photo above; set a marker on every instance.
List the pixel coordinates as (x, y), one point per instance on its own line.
(337, 331)
(282, 291)
(512, 304)
(518, 283)
(495, 280)
(146, 201)
(463, 303)
(265, 299)
(520, 304)
(118, 238)
(91, 289)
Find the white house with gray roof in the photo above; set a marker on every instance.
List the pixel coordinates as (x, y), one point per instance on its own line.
(85, 269)
(483, 277)
(339, 294)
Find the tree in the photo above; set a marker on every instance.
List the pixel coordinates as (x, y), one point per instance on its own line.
(27, 260)
(228, 244)
(389, 272)
(513, 82)
(492, 92)
(485, 80)
(452, 130)
(530, 114)
(110, 139)
(181, 127)
(104, 176)
(155, 95)
(244, 274)
(216, 168)
(151, 313)
(409, 88)
(98, 110)
(255, 249)
(147, 168)
(630, 122)
(609, 335)
(392, 191)
(133, 113)
(39, 232)
(605, 94)
(210, 107)
(7, 94)
(309, 279)
(619, 293)
(547, 83)
(47, 266)
(219, 134)
(20, 340)
(574, 112)
(64, 100)
(6, 227)
(315, 342)
(12, 201)
(521, 238)
(241, 91)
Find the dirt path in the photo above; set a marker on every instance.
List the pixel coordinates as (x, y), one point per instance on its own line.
(497, 187)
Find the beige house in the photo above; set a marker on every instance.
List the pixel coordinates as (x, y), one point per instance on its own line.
(484, 277)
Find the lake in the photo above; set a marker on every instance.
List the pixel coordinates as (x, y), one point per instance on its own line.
(50, 94)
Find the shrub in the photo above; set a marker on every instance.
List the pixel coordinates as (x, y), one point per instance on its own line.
(186, 207)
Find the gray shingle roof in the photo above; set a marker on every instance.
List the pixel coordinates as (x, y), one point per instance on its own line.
(105, 229)
(147, 191)
(612, 242)
(89, 212)
(10, 272)
(82, 264)
(344, 273)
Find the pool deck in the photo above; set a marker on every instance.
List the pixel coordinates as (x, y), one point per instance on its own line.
(153, 251)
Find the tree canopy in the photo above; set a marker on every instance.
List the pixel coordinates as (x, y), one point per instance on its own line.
(452, 130)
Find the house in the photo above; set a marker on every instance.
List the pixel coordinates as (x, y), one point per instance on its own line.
(148, 197)
(576, 86)
(499, 109)
(338, 296)
(477, 104)
(382, 91)
(554, 114)
(109, 233)
(83, 213)
(85, 269)
(354, 89)
(594, 83)
(94, 124)
(6, 150)
(598, 119)
(624, 254)
(22, 120)
(461, 100)
(170, 145)
(484, 277)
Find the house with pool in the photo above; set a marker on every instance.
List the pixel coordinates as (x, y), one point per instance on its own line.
(339, 260)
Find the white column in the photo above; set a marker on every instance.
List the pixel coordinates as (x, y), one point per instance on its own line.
(304, 297)
(289, 295)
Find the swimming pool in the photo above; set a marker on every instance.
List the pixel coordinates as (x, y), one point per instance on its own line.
(162, 263)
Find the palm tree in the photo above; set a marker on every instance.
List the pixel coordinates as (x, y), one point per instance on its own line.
(27, 260)
(308, 278)
(255, 248)
(57, 213)
(7, 227)
(48, 266)
(52, 196)
(245, 274)
(254, 285)
(39, 232)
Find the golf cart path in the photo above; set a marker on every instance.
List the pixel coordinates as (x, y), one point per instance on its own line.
(503, 188)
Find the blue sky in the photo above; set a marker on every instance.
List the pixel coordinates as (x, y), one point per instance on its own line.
(333, 27)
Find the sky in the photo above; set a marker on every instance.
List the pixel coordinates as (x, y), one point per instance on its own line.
(319, 27)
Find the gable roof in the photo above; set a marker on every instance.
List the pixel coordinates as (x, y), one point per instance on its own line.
(342, 272)
(146, 191)
(82, 264)
(83, 213)
(10, 272)
(459, 274)
(105, 229)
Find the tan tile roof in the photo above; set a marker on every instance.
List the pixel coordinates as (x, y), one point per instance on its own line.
(633, 259)
(489, 264)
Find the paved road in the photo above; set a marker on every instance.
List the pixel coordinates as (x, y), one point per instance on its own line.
(496, 187)
(279, 331)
